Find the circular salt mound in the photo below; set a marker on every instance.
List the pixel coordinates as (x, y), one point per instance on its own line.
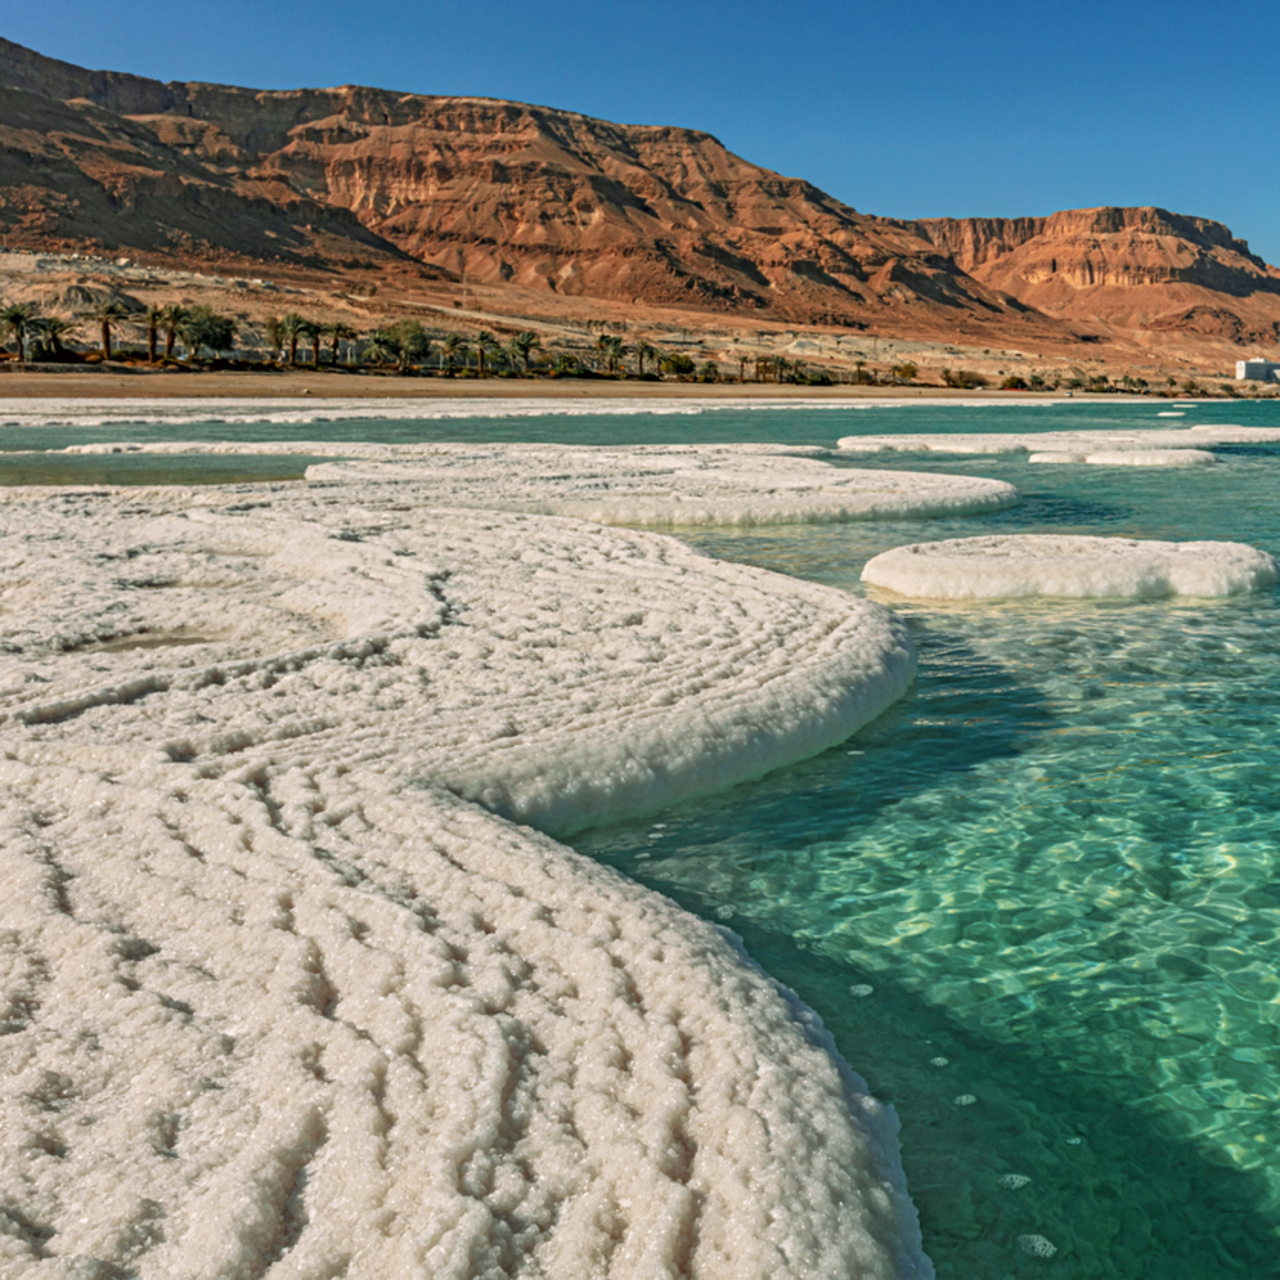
(1133, 458)
(1021, 565)
(280, 993)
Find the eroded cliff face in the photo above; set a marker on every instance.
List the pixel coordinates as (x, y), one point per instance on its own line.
(494, 191)
(504, 193)
(1130, 269)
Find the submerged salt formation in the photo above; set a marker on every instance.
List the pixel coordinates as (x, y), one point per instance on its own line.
(1022, 565)
(1132, 458)
(1112, 440)
(280, 998)
(655, 485)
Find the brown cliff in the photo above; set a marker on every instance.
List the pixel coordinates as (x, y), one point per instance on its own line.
(531, 200)
(498, 192)
(1137, 272)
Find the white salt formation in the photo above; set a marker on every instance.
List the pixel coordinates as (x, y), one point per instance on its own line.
(280, 1001)
(1022, 565)
(655, 485)
(1133, 458)
(1072, 442)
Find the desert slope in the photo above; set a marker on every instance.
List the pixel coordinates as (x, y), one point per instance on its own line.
(1143, 272)
(501, 191)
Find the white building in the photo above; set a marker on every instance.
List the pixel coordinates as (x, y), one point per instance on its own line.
(1257, 370)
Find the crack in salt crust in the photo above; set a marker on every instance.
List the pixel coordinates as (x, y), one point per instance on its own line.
(1021, 565)
(638, 485)
(278, 1002)
(1070, 442)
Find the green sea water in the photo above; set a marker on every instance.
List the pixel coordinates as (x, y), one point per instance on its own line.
(1038, 901)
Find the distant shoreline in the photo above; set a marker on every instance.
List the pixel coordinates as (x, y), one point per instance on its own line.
(236, 385)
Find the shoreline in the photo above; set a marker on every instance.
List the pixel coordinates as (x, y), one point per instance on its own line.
(330, 386)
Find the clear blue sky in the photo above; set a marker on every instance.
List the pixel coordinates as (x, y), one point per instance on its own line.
(941, 107)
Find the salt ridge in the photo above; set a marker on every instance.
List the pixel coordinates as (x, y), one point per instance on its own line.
(656, 485)
(84, 411)
(1132, 458)
(1018, 566)
(1075, 442)
(279, 995)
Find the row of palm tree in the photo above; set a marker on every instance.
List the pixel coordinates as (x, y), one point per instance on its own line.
(195, 327)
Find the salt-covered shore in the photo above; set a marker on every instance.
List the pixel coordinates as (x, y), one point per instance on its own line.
(288, 992)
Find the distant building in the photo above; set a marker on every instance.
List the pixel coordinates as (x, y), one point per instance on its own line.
(1258, 370)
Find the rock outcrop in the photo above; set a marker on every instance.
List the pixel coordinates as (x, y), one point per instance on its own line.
(502, 194)
(1127, 270)
(496, 191)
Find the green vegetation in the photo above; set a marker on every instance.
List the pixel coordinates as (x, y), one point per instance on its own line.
(964, 379)
(16, 320)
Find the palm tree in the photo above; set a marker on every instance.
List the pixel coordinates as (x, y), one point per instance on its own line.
(273, 331)
(172, 318)
(48, 332)
(382, 348)
(17, 319)
(153, 316)
(292, 327)
(314, 332)
(412, 341)
(644, 351)
(338, 332)
(449, 350)
(486, 344)
(523, 345)
(106, 313)
(604, 345)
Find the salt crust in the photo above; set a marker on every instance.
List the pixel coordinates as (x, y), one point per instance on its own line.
(1133, 458)
(1074, 442)
(1021, 565)
(280, 1001)
(655, 485)
(84, 411)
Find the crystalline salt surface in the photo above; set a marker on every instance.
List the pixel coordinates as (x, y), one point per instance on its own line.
(281, 995)
(1023, 565)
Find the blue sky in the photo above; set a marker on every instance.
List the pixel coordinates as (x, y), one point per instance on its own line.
(987, 108)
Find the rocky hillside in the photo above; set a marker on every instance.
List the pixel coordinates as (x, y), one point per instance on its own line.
(494, 191)
(507, 196)
(1128, 270)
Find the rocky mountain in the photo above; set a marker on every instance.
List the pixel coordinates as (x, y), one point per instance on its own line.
(511, 196)
(490, 190)
(1142, 272)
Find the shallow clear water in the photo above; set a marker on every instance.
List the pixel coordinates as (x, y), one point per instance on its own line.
(1038, 902)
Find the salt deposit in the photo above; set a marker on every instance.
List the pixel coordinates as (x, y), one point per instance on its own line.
(279, 997)
(655, 485)
(1021, 565)
(1074, 442)
(1133, 458)
(83, 411)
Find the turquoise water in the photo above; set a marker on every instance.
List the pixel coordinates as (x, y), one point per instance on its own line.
(1038, 902)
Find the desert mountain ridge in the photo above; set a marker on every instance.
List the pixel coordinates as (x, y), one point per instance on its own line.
(447, 193)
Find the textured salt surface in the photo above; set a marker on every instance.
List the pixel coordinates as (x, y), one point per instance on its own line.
(86, 412)
(279, 1000)
(1076, 442)
(1133, 458)
(653, 485)
(1020, 565)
